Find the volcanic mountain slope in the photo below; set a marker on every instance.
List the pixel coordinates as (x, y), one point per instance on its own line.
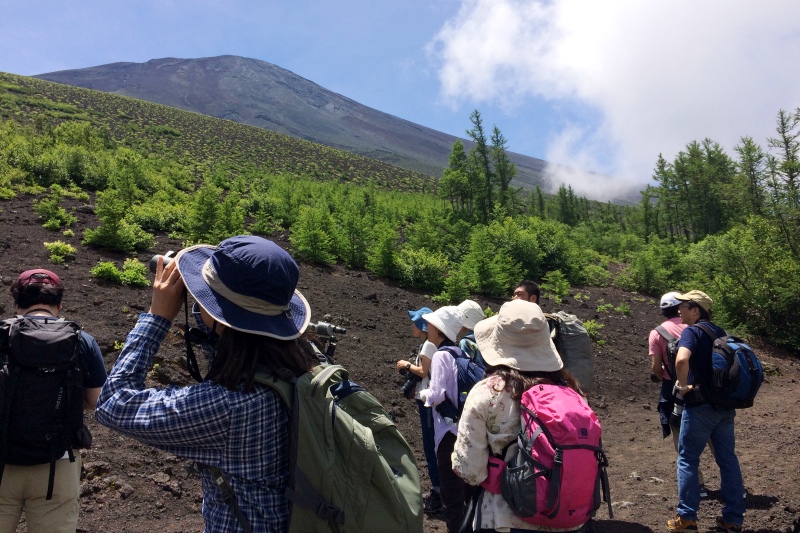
(261, 94)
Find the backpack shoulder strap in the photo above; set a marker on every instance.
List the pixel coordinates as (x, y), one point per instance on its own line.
(455, 351)
(707, 330)
(664, 333)
(283, 387)
(228, 496)
(300, 490)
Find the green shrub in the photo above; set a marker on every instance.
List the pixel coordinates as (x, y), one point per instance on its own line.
(134, 273)
(593, 328)
(115, 232)
(455, 288)
(383, 252)
(55, 216)
(489, 268)
(595, 275)
(422, 269)
(106, 271)
(623, 308)
(604, 308)
(753, 277)
(311, 238)
(59, 251)
(555, 285)
(655, 269)
(159, 216)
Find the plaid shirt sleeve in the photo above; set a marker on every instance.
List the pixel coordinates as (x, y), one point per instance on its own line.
(242, 433)
(189, 421)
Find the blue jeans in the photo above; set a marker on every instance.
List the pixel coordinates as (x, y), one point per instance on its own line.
(699, 425)
(428, 442)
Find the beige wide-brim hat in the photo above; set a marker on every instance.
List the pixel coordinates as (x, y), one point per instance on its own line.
(518, 337)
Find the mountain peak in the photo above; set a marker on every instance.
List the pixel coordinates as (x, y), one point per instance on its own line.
(261, 94)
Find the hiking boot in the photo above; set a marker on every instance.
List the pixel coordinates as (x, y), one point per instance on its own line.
(681, 524)
(432, 502)
(703, 492)
(725, 527)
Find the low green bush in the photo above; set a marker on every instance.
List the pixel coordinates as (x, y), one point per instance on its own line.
(134, 273)
(593, 328)
(623, 308)
(55, 217)
(59, 251)
(106, 271)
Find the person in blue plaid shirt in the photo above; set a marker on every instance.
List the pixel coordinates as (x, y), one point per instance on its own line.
(251, 316)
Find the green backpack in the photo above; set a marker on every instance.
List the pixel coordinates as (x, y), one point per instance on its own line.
(350, 469)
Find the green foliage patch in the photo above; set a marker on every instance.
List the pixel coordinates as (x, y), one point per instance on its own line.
(60, 251)
(730, 227)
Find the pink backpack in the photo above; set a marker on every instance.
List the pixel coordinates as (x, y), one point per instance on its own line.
(555, 480)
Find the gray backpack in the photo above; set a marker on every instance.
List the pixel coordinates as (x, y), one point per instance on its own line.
(575, 347)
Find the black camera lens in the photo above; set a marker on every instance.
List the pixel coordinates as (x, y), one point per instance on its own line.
(167, 260)
(324, 329)
(410, 386)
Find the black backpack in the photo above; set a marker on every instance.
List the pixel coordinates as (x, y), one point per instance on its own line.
(672, 351)
(41, 393)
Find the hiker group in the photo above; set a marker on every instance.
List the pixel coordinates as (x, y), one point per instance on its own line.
(283, 440)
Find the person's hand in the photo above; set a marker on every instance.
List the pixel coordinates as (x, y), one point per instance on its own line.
(402, 364)
(167, 291)
(423, 395)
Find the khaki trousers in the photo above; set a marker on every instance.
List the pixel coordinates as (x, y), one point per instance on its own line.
(25, 488)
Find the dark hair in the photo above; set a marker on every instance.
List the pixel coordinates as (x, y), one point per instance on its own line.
(531, 287)
(26, 296)
(671, 312)
(518, 381)
(239, 354)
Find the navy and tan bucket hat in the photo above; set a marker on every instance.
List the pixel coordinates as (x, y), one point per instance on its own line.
(247, 283)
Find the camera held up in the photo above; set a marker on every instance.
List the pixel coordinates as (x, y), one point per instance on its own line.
(167, 260)
(326, 334)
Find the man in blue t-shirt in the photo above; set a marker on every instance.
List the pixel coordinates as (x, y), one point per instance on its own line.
(703, 422)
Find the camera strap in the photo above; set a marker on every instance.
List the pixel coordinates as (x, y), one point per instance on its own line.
(191, 360)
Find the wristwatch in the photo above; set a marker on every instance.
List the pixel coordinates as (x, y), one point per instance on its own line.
(408, 367)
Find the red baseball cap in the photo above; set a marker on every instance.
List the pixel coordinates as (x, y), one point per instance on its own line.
(39, 275)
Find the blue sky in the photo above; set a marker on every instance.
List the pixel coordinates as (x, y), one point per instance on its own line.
(602, 86)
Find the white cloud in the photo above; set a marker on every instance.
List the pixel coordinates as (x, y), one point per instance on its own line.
(658, 74)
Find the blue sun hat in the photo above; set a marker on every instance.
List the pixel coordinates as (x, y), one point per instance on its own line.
(416, 317)
(247, 283)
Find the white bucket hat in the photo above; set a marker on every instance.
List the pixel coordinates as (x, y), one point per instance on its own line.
(471, 314)
(518, 337)
(446, 319)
